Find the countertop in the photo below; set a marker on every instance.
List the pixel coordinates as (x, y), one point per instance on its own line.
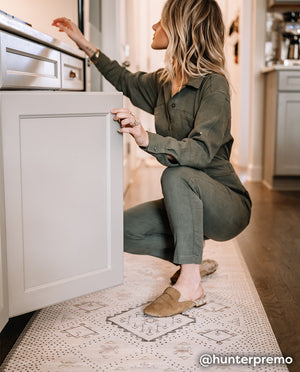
(18, 28)
(268, 69)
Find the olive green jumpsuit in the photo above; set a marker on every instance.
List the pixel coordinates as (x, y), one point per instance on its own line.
(203, 197)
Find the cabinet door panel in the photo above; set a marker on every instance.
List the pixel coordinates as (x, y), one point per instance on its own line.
(63, 201)
(64, 197)
(287, 160)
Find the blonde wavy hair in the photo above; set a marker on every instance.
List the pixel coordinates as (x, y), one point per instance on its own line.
(195, 30)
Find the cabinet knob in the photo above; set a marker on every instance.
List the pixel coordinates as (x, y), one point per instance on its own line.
(72, 74)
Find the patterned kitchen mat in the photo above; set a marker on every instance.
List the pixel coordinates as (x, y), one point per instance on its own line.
(107, 331)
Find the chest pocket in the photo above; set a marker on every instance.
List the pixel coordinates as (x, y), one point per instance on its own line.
(175, 116)
(182, 112)
(182, 122)
(161, 120)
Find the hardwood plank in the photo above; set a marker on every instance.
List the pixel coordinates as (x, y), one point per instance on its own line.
(270, 246)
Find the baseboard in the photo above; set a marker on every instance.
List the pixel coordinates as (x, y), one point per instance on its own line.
(255, 173)
(283, 184)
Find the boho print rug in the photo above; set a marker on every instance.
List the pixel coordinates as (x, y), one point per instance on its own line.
(107, 331)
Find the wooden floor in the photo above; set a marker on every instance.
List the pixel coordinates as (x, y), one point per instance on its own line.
(270, 246)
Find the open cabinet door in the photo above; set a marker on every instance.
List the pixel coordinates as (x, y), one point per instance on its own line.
(62, 162)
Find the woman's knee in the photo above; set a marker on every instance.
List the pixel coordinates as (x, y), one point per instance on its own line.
(173, 175)
(182, 178)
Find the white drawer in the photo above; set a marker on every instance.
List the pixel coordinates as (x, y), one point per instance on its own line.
(28, 65)
(289, 81)
(72, 73)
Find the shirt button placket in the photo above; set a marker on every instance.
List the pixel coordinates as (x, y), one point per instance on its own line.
(172, 106)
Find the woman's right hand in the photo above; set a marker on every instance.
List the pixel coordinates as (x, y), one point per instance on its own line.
(66, 25)
(70, 28)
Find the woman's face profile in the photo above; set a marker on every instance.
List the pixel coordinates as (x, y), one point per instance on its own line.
(160, 38)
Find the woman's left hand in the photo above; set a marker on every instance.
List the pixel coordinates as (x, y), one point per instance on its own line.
(131, 124)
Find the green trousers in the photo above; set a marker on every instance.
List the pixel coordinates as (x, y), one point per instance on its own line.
(195, 207)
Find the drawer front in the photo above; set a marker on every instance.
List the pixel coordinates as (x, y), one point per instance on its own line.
(72, 73)
(289, 81)
(28, 65)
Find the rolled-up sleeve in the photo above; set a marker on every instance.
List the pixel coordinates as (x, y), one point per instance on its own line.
(211, 130)
(140, 87)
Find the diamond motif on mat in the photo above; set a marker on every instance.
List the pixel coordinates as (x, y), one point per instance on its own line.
(146, 327)
(79, 331)
(89, 306)
(218, 335)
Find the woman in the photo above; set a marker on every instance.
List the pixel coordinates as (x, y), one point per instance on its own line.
(203, 197)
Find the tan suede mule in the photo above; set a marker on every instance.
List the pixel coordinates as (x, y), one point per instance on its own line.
(168, 304)
(207, 267)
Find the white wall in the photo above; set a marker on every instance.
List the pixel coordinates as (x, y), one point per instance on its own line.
(110, 43)
(245, 83)
(230, 11)
(255, 168)
(239, 75)
(40, 13)
(248, 84)
(156, 57)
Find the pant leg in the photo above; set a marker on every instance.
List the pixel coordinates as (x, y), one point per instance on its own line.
(198, 205)
(147, 230)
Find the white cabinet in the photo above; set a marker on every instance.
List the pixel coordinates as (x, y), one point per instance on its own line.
(62, 165)
(282, 130)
